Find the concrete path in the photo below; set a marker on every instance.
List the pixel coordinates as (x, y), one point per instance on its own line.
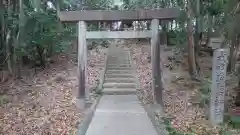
(120, 115)
(119, 111)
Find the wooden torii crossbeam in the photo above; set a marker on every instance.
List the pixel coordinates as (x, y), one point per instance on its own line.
(81, 17)
(119, 15)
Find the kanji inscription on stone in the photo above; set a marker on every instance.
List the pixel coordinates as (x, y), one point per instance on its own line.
(219, 68)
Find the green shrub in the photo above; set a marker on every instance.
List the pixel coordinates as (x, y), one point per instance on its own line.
(44, 35)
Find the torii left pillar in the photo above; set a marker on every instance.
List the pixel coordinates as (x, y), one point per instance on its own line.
(82, 65)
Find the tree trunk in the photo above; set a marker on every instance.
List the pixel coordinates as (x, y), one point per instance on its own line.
(8, 52)
(18, 41)
(58, 3)
(164, 30)
(191, 48)
(2, 25)
(99, 26)
(37, 5)
(233, 54)
(198, 28)
(148, 25)
(198, 33)
(104, 25)
(209, 31)
(8, 41)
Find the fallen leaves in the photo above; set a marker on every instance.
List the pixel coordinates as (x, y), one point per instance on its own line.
(43, 104)
(178, 89)
(140, 55)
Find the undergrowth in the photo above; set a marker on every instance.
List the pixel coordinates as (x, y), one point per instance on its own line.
(172, 131)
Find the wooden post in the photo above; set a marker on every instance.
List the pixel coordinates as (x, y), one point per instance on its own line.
(155, 60)
(220, 59)
(82, 64)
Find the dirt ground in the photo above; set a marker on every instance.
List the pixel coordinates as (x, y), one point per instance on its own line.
(181, 95)
(43, 104)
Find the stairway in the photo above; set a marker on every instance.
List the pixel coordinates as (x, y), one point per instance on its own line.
(119, 111)
(119, 77)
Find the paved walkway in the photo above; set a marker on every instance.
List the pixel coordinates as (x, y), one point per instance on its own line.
(120, 115)
(119, 111)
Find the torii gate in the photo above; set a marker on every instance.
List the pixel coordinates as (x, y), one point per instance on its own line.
(81, 17)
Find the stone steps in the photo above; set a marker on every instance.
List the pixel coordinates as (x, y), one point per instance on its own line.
(119, 85)
(119, 78)
(119, 91)
(119, 65)
(118, 72)
(122, 60)
(119, 68)
(118, 61)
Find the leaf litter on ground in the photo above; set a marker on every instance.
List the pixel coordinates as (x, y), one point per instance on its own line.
(179, 89)
(43, 104)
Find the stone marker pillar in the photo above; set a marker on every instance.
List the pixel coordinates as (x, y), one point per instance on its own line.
(219, 68)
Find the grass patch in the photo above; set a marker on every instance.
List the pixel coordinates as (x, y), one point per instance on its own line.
(3, 100)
